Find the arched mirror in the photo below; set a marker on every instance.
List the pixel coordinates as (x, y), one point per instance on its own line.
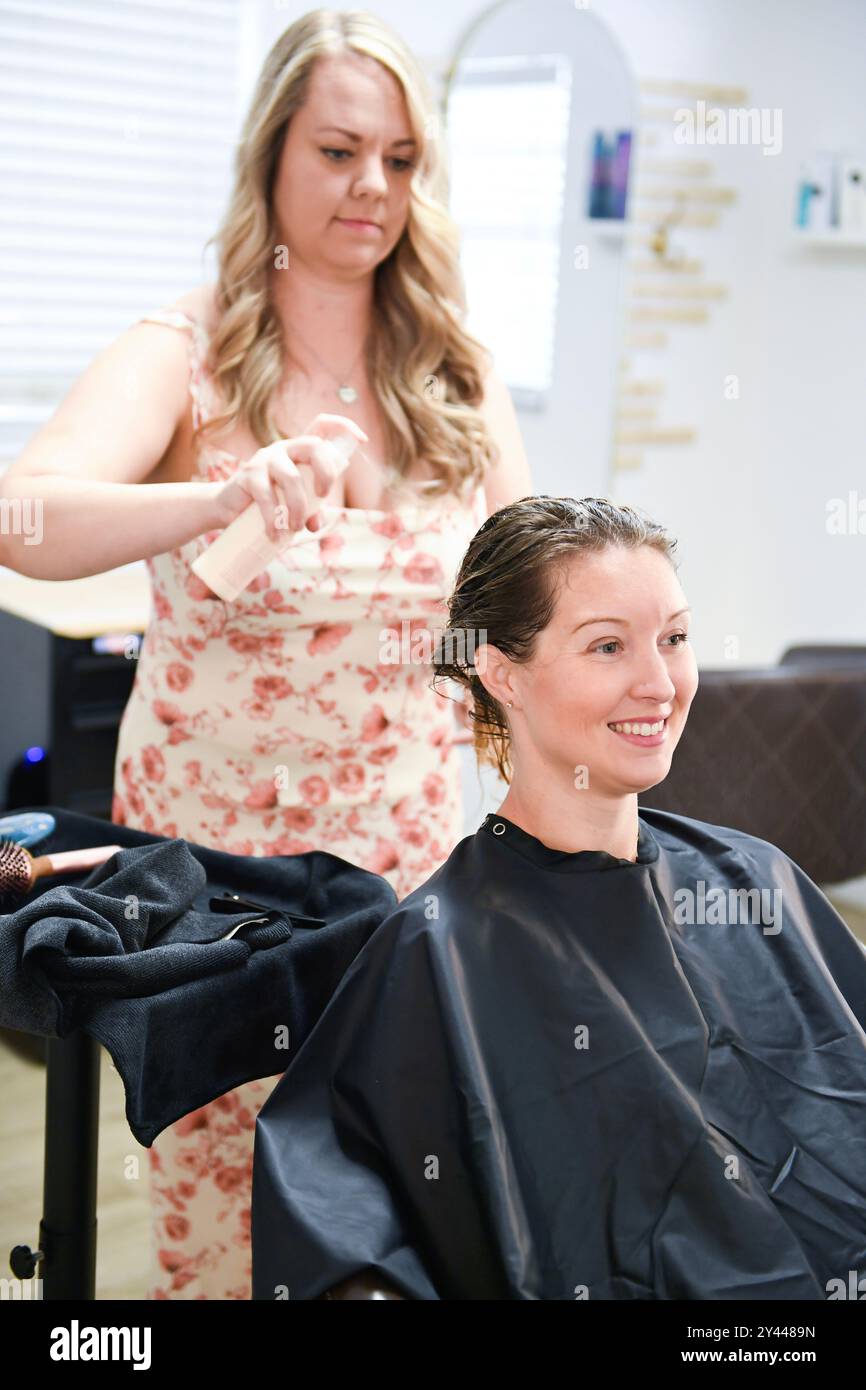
(539, 107)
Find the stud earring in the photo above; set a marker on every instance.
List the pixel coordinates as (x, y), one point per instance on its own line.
(508, 704)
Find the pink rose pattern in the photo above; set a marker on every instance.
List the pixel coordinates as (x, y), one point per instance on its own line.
(275, 724)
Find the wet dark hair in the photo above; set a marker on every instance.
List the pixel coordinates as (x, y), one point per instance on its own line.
(507, 588)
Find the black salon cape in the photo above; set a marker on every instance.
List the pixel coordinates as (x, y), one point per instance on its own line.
(441, 1126)
(137, 956)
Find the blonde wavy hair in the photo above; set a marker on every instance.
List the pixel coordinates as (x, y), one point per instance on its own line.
(425, 369)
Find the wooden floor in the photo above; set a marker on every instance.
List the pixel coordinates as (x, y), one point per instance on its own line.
(123, 1231)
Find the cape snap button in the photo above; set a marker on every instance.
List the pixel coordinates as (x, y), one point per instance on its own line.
(499, 828)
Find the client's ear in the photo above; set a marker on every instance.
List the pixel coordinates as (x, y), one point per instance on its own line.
(493, 669)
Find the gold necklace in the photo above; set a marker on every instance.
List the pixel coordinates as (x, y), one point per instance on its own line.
(346, 392)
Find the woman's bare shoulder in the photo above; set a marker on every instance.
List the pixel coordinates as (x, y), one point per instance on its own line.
(200, 305)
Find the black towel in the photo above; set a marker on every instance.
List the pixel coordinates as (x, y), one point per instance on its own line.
(189, 1000)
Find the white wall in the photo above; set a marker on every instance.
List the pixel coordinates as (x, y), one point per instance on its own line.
(749, 499)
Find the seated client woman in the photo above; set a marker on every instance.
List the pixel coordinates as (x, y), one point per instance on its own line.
(601, 1052)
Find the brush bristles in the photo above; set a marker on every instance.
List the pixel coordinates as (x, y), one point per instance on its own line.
(15, 873)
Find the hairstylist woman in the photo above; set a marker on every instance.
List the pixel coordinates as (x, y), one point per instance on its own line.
(273, 724)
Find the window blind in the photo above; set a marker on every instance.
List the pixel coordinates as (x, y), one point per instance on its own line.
(118, 120)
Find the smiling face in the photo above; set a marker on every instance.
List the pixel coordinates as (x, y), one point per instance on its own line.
(613, 653)
(325, 178)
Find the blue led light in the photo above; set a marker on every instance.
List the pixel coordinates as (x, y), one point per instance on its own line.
(34, 754)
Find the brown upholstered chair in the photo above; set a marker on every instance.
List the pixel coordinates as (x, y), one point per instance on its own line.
(780, 752)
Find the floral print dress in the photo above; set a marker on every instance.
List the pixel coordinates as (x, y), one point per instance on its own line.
(297, 717)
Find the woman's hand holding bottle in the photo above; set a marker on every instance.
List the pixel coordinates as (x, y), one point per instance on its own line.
(271, 478)
(266, 502)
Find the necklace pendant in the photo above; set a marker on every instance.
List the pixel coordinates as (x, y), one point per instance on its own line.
(347, 394)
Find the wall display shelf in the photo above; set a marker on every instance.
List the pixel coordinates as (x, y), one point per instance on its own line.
(678, 196)
(833, 237)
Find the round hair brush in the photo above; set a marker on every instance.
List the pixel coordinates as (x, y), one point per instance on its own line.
(19, 870)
